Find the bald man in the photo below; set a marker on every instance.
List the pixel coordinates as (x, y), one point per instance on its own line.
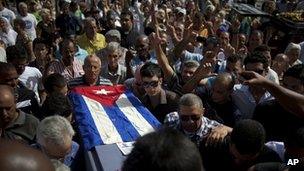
(15, 124)
(218, 103)
(15, 156)
(92, 71)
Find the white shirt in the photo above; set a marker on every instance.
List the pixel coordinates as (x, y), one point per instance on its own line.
(8, 14)
(30, 28)
(9, 38)
(31, 78)
(243, 99)
(272, 76)
(2, 55)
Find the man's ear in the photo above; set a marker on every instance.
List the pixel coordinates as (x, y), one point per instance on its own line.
(161, 80)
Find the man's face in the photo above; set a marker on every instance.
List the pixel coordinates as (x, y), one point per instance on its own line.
(187, 73)
(256, 67)
(23, 10)
(54, 151)
(224, 39)
(7, 110)
(255, 40)
(235, 68)
(190, 117)
(142, 47)
(90, 28)
(280, 63)
(113, 59)
(68, 53)
(220, 92)
(20, 65)
(40, 51)
(293, 54)
(63, 90)
(238, 158)
(111, 21)
(9, 78)
(152, 85)
(126, 22)
(92, 69)
(293, 84)
(242, 39)
(268, 56)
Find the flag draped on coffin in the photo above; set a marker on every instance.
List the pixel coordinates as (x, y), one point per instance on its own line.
(110, 114)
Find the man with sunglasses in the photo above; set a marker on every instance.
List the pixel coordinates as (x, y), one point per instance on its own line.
(158, 100)
(190, 121)
(247, 97)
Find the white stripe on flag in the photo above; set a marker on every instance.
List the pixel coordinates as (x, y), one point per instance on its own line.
(104, 125)
(137, 120)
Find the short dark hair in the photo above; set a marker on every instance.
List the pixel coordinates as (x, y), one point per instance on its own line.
(20, 22)
(14, 53)
(150, 69)
(57, 103)
(53, 80)
(257, 32)
(296, 71)
(262, 48)
(5, 67)
(166, 149)
(256, 57)
(64, 43)
(248, 136)
(39, 41)
(234, 58)
(128, 13)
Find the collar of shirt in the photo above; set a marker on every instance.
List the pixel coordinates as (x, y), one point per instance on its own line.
(117, 73)
(266, 96)
(162, 100)
(19, 121)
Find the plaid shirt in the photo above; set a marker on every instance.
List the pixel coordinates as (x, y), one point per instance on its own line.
(172, 120)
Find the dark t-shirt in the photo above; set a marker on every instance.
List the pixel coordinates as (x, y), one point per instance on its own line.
(218, 158)
(168, 104)
(277, 122)
(23, 129)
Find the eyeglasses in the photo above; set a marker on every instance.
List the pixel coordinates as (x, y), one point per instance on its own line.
(186, 118)
(150, 84)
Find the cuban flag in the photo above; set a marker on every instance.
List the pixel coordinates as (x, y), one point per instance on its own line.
(110, 114)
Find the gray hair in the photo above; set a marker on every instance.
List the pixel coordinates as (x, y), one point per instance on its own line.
(89, 20)
(22, 4)
(191, 64)
(292, 46)
(54, 129)
(113, 33)
(113, 47)
(191, 100)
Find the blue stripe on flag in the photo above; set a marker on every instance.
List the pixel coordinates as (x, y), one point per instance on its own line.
(121, 123)
(143, 110)
(85, 122)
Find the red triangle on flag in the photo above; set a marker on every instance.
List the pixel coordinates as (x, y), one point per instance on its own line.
(106, 95)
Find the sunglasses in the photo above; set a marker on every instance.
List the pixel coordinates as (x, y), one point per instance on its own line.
(186, 118)
(150, 84)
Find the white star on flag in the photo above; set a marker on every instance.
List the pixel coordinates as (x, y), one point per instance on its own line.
(102, 92)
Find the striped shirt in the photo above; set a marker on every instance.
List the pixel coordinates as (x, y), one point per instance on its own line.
(58, 66)
(172, 120)
(80, 81)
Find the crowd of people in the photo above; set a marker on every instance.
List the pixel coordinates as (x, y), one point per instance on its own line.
(228, 92)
